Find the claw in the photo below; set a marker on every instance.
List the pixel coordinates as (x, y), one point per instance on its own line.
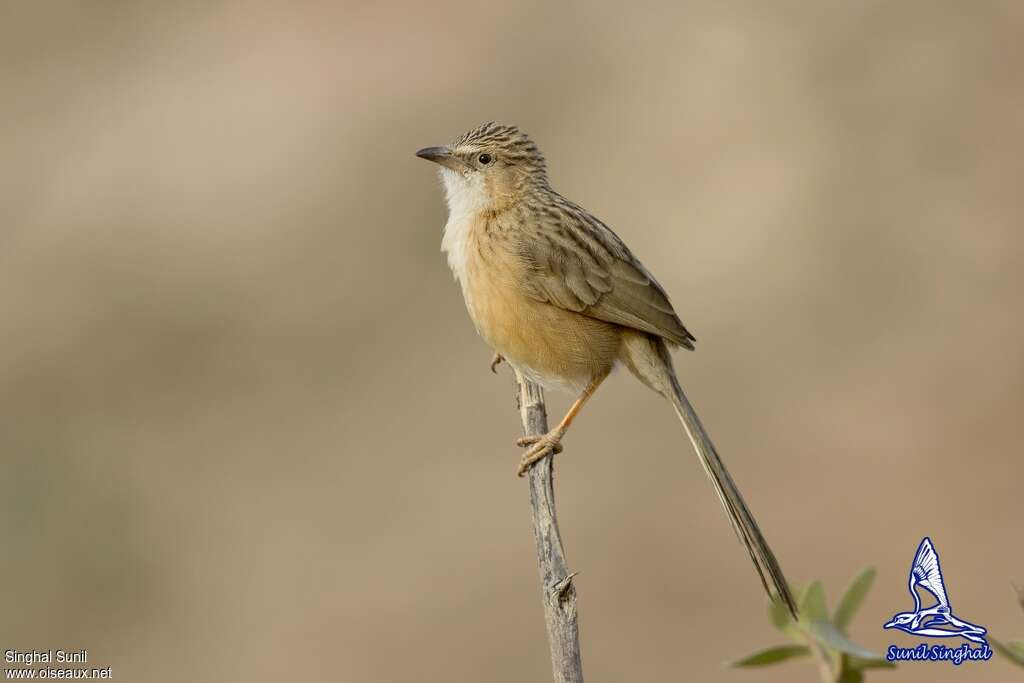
(525, 441)
(495, 362)
(541, 447)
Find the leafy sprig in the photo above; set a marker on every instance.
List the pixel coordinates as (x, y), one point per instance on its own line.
(822, 637)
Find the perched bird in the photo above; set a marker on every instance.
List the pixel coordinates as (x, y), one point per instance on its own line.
(561, 297)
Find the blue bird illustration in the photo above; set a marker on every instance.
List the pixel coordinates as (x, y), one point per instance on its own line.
(926, 573)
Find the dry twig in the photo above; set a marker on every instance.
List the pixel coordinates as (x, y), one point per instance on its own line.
(559, 593)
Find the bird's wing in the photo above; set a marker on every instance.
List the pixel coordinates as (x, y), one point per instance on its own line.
(927, 573)
(575, 262)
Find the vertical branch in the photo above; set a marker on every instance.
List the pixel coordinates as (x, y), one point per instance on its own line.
(821, 658)
(558, 591)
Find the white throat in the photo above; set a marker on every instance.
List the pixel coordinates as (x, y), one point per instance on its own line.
(467, 199)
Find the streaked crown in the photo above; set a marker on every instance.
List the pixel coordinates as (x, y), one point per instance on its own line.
(509, 145)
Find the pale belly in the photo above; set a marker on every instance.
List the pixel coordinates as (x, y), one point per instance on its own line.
(556, 348)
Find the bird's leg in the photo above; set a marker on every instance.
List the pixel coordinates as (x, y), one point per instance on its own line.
(550, 443)
(496, 361)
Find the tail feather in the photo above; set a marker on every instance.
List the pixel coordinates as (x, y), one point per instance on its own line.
(648, 358)
(743, 522)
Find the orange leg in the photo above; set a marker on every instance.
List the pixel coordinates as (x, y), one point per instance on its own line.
(550, 443)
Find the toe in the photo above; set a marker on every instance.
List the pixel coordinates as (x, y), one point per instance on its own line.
(550, 444)
(542, 447)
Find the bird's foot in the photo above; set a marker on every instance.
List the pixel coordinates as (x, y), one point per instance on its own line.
(540, 447)
(495, 362)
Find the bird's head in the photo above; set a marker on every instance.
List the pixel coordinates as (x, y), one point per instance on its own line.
(901, 620)
(489, 168)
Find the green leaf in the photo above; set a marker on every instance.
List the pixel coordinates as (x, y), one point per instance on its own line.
(772, 655)
(855, 662)
(1012, 650)
(823, 631)
(812, 604)
(851, 601)
(851, 676)
(780, 616)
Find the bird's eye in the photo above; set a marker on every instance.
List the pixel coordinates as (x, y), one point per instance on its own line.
(484, 158)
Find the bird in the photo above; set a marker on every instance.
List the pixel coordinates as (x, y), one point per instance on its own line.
(560, 297)
(926, 573)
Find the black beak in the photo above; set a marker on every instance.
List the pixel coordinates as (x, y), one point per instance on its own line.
(442, 156)
(435, 154)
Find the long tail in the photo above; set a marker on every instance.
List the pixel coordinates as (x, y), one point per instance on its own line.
(739, 514)
(649, 360)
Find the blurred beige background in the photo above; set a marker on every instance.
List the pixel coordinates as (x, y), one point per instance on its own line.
(249, 432)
